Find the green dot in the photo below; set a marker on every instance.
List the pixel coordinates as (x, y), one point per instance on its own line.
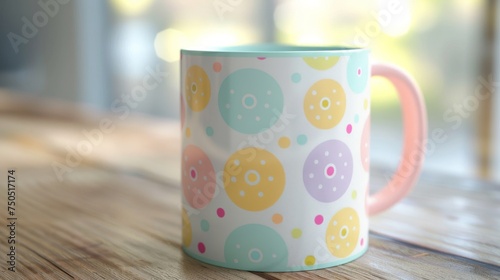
(301, 139)
(356, 118)
(296, 77)
(354, 194)
(209, 131)
(205, 226)
(255, 255)
(296, 233)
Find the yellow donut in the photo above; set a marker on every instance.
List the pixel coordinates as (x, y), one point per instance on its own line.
(343, 232)
(197, 88)
(187, 232)
(321, 63)
(325, 103)
(254, 184)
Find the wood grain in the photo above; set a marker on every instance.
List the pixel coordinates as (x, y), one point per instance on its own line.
(105, 225)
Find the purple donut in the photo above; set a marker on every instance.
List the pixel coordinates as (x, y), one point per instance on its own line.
(328, 171)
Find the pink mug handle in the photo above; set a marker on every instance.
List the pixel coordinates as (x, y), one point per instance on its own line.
(415, 135)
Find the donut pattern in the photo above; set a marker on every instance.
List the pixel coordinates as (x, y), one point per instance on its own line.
(187, 231)
(197, 88)
(256, 247)
(250, 101)
(325, 104)
(342, 233)
(365, 146)
(254, 184)
(358, 72)
(198, 177)
(275, 160)
(328, 171)
(321, 63)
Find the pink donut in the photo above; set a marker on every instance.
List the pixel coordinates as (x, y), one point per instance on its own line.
(328, 171)
(365, 145)
(198, 177)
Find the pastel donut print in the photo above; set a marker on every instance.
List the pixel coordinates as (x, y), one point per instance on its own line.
(197, 88)
(187, 231)
(358, 71)
(250, 101)
(321, 63)
(255, 184)
(328, 171)
(365, 145)
(198, 177)
(256, 247)
(325, 104)
(342, 233)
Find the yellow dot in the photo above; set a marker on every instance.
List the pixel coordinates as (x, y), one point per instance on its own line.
(310, 260)
(252, 177)
(354, 194)
(188, 132)
(296, 233)
(277, 218)
(325, 103)
(344, 232)
(365, 104)
(193, 88)
(284, 142)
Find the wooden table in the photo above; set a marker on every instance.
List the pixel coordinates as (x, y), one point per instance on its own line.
(116, 213)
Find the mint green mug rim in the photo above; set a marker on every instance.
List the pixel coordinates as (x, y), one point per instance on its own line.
(273, 50)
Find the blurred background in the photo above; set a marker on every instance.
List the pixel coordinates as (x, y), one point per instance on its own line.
(93, 52)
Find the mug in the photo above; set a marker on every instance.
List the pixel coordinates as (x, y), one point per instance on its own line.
(275, 154)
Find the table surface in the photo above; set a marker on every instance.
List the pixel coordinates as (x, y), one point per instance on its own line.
(115, 212)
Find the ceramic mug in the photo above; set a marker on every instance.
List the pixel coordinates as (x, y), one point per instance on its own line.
(275, 154)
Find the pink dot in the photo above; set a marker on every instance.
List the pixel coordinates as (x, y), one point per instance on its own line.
(261, 58)
(220, 212)
(193, 173)
(330, 170)
(201, 247)
(217, 67)
(362, 241)
(348, 129)
(318, 220)
(359, 71)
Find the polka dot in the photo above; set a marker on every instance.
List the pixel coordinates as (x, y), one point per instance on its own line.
(261, 185)
(261, 58)
(217, 67)
(197, 88)
(354, 194)
(321, 63)
(296, 233)
(343, 232)
(255, 101)
(296, 77)
(356, 118)
(284, 142)
(209, 131)
(205, 226)
(318, 219)
(221, 213)
(201, 247)
(187, 232)
(325, 104)
(358, 71)
(309, 260)
(326, 163)
(362, 242)
(195, 165)
(348, 129)
(256, 247)
(301, 139)
(277, 218)
(188, 132)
